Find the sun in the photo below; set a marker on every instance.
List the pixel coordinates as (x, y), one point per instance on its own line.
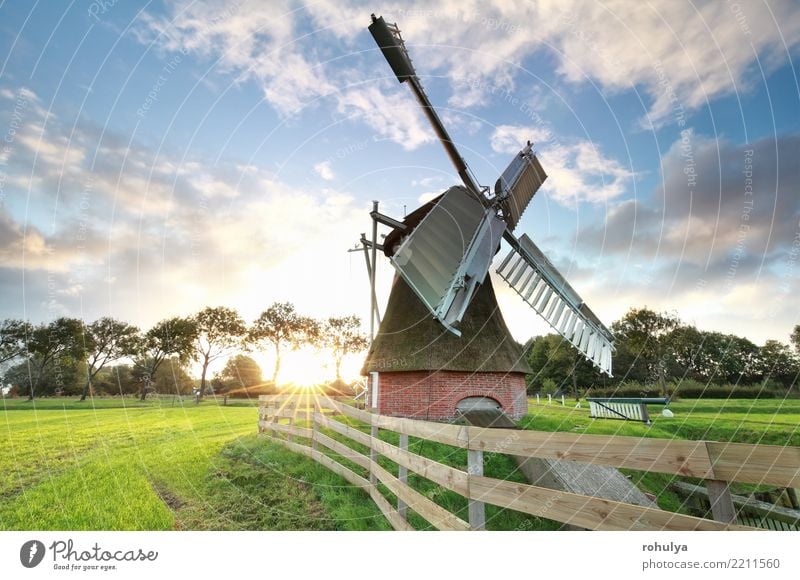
(306, 367)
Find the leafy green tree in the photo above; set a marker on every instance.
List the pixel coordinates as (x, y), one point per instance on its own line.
(777, 361)
(107, 340)
(52, 343)
(13, 336)
(240, 371)
(647, 334)
(281, 326)
(553, 358)
(172, 377)
(172, 337)
(343, 336)
(116, 380)
(794, 338)
(219, 330)
(62, 375)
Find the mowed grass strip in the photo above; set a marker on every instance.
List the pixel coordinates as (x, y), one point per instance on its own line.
(766, 422)
(156, 467)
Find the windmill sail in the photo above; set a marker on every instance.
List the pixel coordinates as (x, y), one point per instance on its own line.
(517, 185)
(446, 257)
(528, 271)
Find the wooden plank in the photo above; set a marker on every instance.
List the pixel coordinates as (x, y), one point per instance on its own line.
(454, 435)
(396, 519)
(477, 509)
(446, 476)
(688, 458)
(340, 469)
(745, 504)
(357, 414)
(439, 517)
(442, 432)
(299, 400)
(286, 429)
(583, 511)
(719, 495)
(343, 450)
(343, 429)
(304, 415)
(772, 464)
(297, 448)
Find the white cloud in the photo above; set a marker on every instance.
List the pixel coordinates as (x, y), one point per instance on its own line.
(324, 170)
(251, 39)
(393, 115)
(680, 53)
(577, 172)
(512, 138)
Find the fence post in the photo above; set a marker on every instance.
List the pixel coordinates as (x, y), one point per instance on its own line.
(291, 407)
(477, 509)
(273, 410)
(373, 455)
(315, 427)
(402, 475)
(719, 494)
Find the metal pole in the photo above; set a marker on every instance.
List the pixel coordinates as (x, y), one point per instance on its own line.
(365, 247)
(372, 273)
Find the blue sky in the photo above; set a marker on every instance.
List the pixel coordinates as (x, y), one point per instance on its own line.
(170, 155)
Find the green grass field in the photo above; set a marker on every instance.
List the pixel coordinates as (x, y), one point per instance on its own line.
(116, 464)
(125, 465)
(768, 422)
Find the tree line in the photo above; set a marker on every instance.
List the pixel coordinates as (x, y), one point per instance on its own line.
(657, 348)
(56, 356)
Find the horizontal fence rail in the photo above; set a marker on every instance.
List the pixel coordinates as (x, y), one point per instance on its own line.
(718, 464)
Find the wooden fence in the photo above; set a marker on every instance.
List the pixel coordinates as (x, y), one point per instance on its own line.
(718, 464)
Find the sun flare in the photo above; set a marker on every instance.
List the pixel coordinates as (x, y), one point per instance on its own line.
(306, 367)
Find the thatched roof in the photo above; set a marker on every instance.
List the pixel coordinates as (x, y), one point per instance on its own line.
(410, 339)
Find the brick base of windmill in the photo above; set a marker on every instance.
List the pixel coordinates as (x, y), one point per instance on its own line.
(417, 369)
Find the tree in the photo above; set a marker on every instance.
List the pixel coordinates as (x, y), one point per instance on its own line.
(13, 336)
(171, 337)
(48, 343)
(281, 326)
(219, 330)
(647, 334)
(794, 338)
(172, 378)
(107, 340)
(777, 361)
(62, 375)
(116, 380)
(240, 371)
(553, 358)
(343, 336)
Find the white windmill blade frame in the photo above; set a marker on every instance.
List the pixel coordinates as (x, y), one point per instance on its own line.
(448, 254)
(517, 185)
(531, 275)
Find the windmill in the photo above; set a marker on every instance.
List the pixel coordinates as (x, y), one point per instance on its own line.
(442, 253)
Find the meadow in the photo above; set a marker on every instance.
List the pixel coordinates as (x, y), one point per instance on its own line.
(160, 465)
(117, 464)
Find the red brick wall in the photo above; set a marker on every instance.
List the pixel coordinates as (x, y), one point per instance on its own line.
(426, 395)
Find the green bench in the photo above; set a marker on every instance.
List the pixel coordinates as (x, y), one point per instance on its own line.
(625, 408)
